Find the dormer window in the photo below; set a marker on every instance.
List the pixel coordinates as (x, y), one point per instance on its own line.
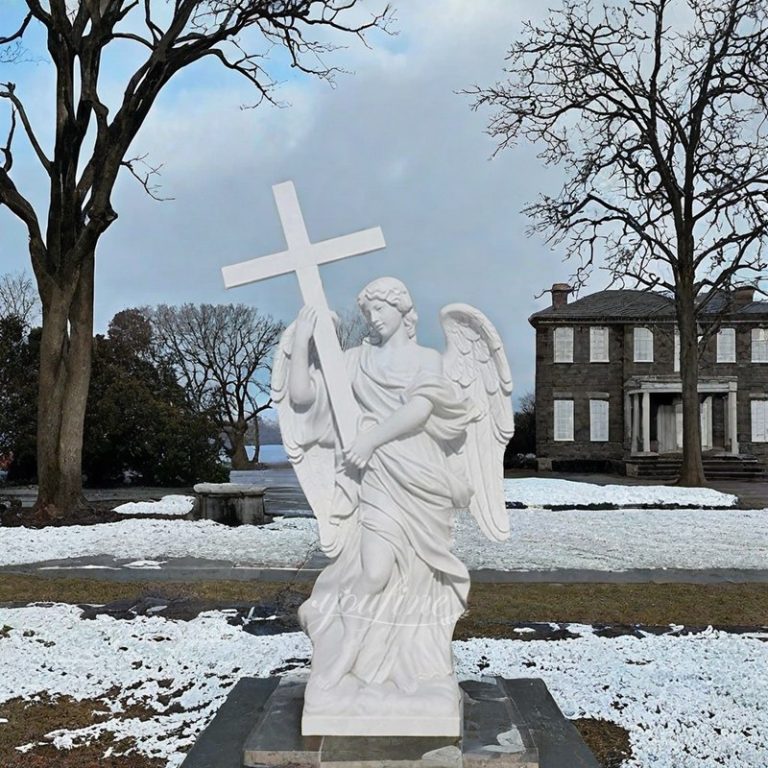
(643, 345)
(563, 345)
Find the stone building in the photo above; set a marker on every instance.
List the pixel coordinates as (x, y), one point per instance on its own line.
(608, 389)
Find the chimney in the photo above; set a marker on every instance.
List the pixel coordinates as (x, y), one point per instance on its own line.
(743, 295)
(560, 293)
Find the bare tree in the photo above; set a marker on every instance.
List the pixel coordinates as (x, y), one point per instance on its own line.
(222, 356)
(351, 327)
(90, 148)
(18, 297)
(661, 127)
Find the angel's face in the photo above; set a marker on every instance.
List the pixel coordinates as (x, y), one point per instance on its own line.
(383, 318)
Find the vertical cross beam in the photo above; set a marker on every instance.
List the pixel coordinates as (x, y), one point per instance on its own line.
(303, 257)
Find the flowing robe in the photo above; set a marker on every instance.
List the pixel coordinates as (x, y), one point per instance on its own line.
(398, 641)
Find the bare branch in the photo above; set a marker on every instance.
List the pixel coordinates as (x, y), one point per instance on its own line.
(8, 91)
(6, 150)
(145, 177)
(19, 33)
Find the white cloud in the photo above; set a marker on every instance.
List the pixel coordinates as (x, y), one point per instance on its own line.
(392, 145)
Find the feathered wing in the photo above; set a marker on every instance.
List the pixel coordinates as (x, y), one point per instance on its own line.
(475, 361)
(309, 440)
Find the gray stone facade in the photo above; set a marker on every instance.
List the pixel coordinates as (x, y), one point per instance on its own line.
(644, 405)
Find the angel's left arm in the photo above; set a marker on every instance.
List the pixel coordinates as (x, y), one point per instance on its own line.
(406, 419)
(413, 414)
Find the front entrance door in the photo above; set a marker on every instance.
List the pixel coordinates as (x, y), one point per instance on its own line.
(669, 425)
(666, 428)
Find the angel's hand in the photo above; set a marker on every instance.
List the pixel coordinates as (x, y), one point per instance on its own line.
(359, 453)
(305, 324)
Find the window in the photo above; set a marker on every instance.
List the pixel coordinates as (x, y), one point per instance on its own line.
(726, 345)
(598, 421)
(598, 345)
(563, 345)
(563, 420)
(643, 345)
(760, 345)
(760, 421)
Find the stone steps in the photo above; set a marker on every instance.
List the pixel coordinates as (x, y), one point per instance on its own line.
(715, 467)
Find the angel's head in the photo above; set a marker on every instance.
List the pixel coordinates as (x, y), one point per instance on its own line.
(376, 302)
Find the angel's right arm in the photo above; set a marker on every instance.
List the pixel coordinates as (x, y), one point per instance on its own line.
(300, 387)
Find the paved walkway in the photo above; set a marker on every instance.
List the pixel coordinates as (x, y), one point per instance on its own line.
(106, 568)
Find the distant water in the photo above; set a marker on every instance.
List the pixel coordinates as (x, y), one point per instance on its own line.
(269, 454)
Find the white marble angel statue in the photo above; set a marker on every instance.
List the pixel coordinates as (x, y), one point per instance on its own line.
(432, 433)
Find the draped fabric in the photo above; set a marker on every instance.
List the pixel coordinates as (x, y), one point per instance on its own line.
(406, 499)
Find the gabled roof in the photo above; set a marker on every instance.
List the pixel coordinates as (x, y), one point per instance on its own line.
(628, 304)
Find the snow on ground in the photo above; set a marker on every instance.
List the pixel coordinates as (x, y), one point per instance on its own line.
(168, 505)
(621, 539)
(286, 543)
(605, 540)
(688, 701)
(545, 492)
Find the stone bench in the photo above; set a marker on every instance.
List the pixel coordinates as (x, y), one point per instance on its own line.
(231, 503)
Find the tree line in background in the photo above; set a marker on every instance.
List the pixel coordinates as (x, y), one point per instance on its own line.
(172, 388)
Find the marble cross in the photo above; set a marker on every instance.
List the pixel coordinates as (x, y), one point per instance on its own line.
(303, 257)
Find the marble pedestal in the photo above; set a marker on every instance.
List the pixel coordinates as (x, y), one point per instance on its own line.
(490, 736)
(506, 724)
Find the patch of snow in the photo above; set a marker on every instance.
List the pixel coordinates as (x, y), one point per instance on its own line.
(551, 492)
(152, 565)
(690, 701)
(618, 540)
(603, 540)
(287, 542)
(169, 505)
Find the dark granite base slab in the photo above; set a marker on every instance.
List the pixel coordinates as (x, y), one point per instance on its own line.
(507, 724)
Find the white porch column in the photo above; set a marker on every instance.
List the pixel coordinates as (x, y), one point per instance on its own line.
(732, 421)
(635, 445)
(705, 419)
(646, 422)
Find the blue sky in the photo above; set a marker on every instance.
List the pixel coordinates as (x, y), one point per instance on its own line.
(391, 145)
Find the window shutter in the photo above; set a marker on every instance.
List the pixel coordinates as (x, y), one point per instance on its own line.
(643, 345)
(563, 345)
(726, 345)
(598, 345)
(598, 421)
(563, 420)
(759, 345)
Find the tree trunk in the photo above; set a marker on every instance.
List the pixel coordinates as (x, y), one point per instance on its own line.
(65, 372)
(692, 470)
(238, 454)
(256, 440)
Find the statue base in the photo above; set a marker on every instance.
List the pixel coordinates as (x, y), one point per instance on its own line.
(353, 709)
(505, 724)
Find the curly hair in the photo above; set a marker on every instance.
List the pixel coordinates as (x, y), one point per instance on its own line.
(393, 292)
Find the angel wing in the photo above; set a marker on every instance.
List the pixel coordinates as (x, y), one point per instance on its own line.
(474, 360)
(309, 440)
